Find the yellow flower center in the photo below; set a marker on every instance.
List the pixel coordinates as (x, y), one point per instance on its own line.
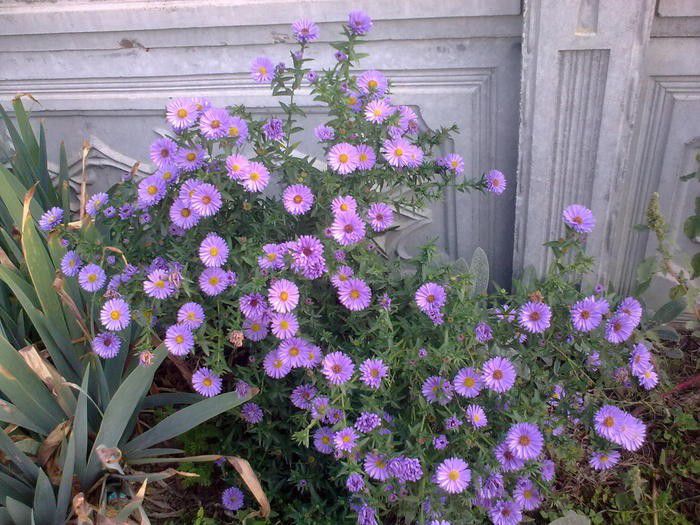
(182, 112)
(179, 339)
(207, 382)
(206, 199)
(498, 375)
(213, 251)
(363, 157)
(262, 70)
(355, 294)
(524, 441)
(469, 382)
(254, 176)
(284, 325)
(185, 212)
(453, 475)
(343, 158)
(191, 156)
(398, 152)
(115, 315)
(294, 351)
(152, 190)
(215, 124)
(159, 284)
(167, 175)
(372, 84)
(255, 327)
(233, 131)
(92, 278)
(284, 296)
(609, 421)
(298, 199)
(213, 281)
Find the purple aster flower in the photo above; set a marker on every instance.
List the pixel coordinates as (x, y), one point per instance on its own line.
(179, 339)
(324, 133)
(320, 406)
(312, 356)
(272, 258)
(343, 158)
(255, 177)
(213, 251)
(453, 475)
(337, 367)
(241, 388)
(476, 416)
(430, 297)
(275, 366)
(190, 159)
(372, 83)
(71, 263)
(237, 129)
(213, 281)
(525, 440)
(232, 499)
(377, 111)
(126, 211)
(437, 389)
(253, 305)
(604, 460)
(302, 395)
(96, 203)
(163, 152)
(648, 378)
(586, 314)
(109, 212)
(354, 294)
(158, 285)
(51, 219)
(206, 383)
(251, 413)
(115, 314)
(495, 182)
(498, 374)
(206, 199)
(619, 328)
(454, 163)
(640, 358)
(340, 56)
(579, 218)
(526, 494)
(535, 317)
(372, 371)
(376, 466)
(547, 470)
(359, 23)
(255, 329)
(631, 307)
(213, 123)
(181, 113)
(367, 515)
(453, 423)
(507, 459)
(395, 152)
(355, 483)
(440, 442)
(367, 421)
(380, 216)
(151, 191)
(283, 296)
(91, 277)
(273, 129)
(191, 315)
(342, 275)
(347, 228)
(297, 199)
(345, 440)
(345, 203)
(284, 326)
(483, 332)
(106, 345)
(323, 440)
(366, 158)
(305, 31)
(312, 77)
(405, 469)
(292, 351)
(262, 70)
(505, 512)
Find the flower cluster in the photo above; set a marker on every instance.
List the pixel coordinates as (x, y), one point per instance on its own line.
(255, 267)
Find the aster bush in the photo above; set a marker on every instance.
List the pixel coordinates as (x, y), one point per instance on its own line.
(390, 391)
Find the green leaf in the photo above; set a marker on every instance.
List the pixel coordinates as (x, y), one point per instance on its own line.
(696, 265)
(185, 419)
(670, 311)
(479, 270)
(20, 513)
(9, 413)
(44, 508)
(571, 518)
(16, 456)
(65, 488)
(20, 384)
(122, 409)
(15, 488)
(80, 429)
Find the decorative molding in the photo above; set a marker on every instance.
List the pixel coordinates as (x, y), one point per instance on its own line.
(579, 109)
(646, 175)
